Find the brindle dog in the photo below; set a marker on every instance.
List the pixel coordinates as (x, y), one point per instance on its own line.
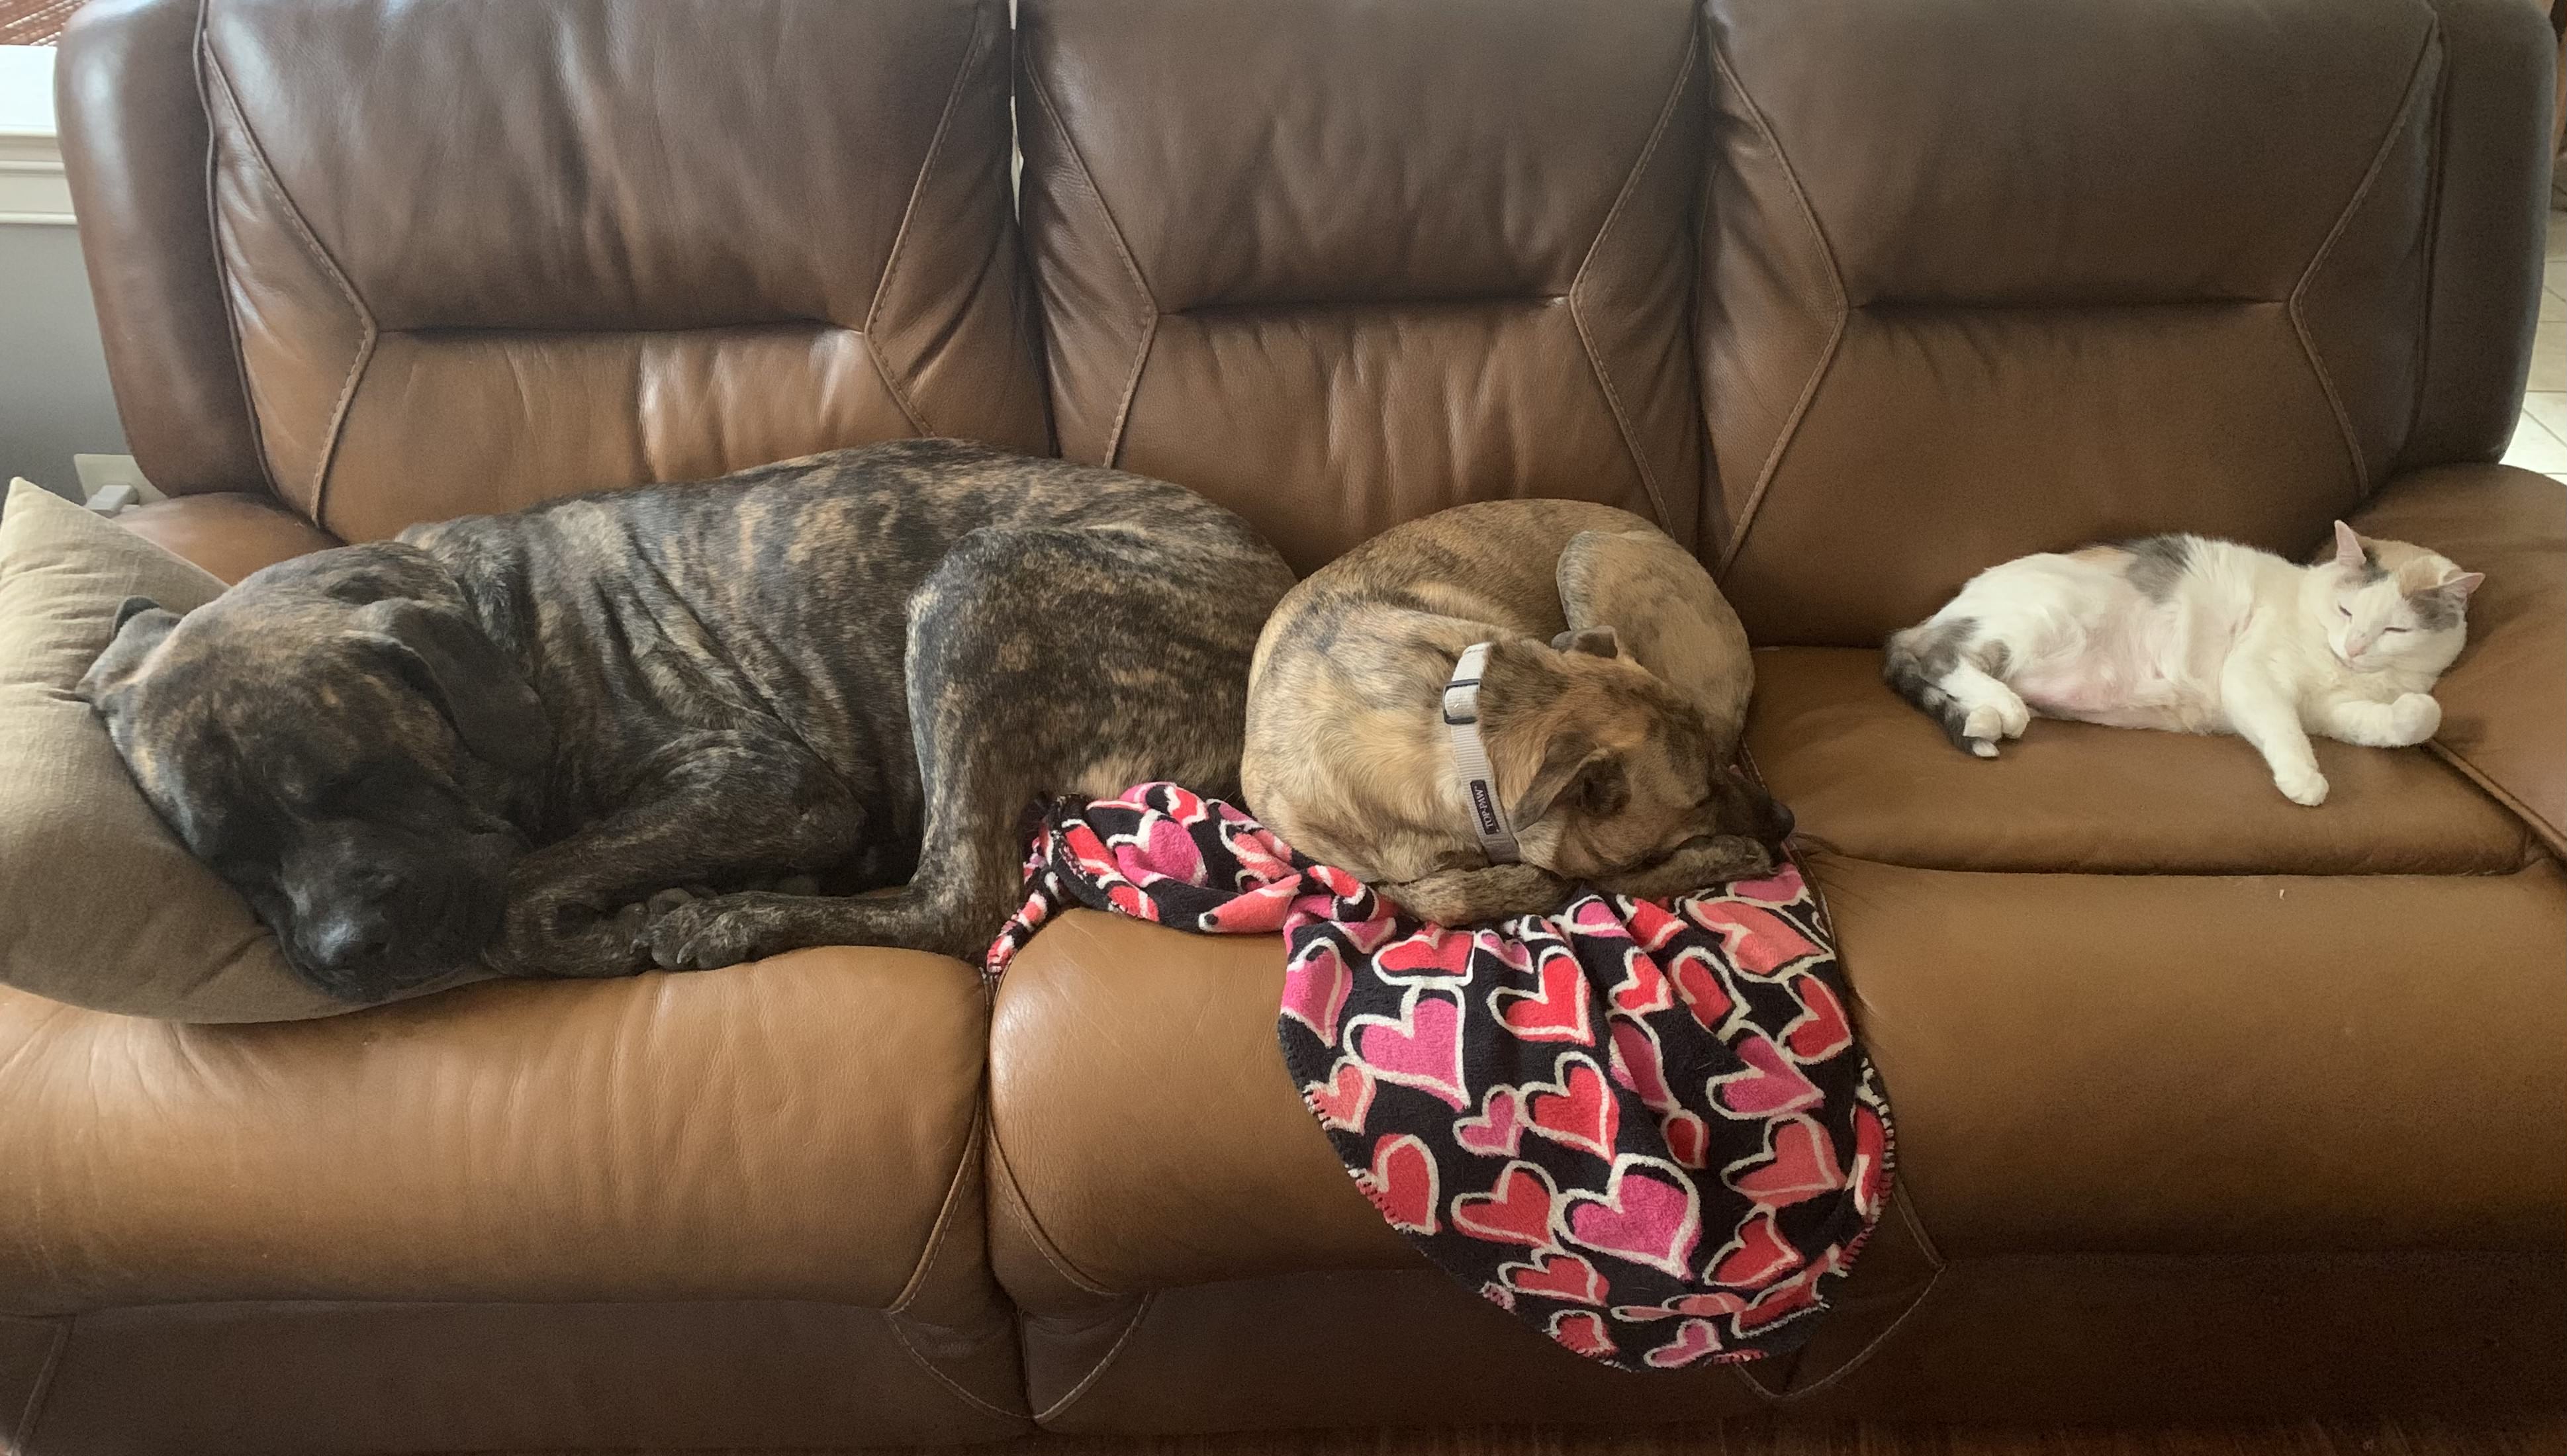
(1610, 706)
(517, 738)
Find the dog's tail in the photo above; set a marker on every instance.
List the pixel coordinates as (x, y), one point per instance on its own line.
(1915, 663)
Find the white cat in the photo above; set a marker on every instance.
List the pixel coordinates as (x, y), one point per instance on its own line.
(2197, 636)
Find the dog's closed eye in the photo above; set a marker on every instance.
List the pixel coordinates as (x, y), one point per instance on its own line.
(1603, 790)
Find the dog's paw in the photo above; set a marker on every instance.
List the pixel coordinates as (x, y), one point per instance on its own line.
(666, 901)
(550, 934)
(1477, 897)
(2302, 785)
(705, 935)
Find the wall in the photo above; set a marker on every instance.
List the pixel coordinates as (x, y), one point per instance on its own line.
(54, 399)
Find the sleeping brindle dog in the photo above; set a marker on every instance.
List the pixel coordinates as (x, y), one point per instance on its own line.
(519, 738)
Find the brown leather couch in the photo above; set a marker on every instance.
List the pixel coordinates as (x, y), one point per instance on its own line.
(2207, 1104)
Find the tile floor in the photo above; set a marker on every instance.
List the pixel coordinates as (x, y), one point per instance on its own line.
(2540, 438)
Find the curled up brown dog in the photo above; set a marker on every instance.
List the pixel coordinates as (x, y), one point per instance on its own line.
(1480, 711)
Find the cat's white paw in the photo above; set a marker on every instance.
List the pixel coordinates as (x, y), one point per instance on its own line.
(1995, 712)
(2016, 716)
(2302, 786)
(2413, 719)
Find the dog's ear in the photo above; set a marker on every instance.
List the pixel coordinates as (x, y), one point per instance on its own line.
(1593, 641)
(364, 574)
(1575, 773)
(140, 624)
(1673, 621)
(444, 653)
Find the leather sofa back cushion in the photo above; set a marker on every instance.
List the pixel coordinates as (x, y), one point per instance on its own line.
(100, 905)
(597, 242)
(2042, 274)
(1351, 269)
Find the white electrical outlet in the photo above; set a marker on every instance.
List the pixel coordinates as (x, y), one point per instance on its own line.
(97, 472)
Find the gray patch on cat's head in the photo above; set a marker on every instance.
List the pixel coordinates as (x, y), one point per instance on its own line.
(2157, 563)
(2437, 610)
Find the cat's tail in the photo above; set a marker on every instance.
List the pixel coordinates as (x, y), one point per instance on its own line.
(1917, 664)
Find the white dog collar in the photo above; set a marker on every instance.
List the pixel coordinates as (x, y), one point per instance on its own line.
(1470, 756)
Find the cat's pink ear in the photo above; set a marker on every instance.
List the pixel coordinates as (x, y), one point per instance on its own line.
(2347, 545)
(2460, 587)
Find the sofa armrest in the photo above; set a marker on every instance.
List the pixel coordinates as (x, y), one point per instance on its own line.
(228, 533)
(2504, 703)
(137, 151)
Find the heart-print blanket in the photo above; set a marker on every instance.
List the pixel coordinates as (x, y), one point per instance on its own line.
(1646, 1131)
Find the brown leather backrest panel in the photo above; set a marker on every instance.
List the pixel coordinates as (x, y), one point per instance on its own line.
(1984, 277)
(1338, 263)
(2491, 202)
(477, 256)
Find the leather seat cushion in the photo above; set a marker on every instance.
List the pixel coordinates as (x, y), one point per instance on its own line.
(2076, 1061)
(800, 1128)
(1868, 775)
(2504, 703)
(228, 533)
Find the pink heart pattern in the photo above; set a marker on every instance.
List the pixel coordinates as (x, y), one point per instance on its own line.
(1555, 1011)
(1695, 1339)
(1768, 1087)
(1577, 1107)
(1402, 1183)
(1685, 1183)
(1316, 986)
(1421, 1047)
(1559, 1275)
(1343, 1100)
(1499, 1129)
(1649, 1213)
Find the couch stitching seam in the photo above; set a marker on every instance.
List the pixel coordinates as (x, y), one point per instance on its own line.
(894, 1322)
(1903, 1181)
(1836, 331)
(2436, 156)
(909, 214)
(1023, 1213)
(1103, 1364)
(2543, 834)
(311, 244)
(942, 1227)
(1042, 1241)
(1862, 1357)
(1613, 216)
(1903, 1202)
(1122, 250)
(24, 1435)
(222, 265)
(2317, 261)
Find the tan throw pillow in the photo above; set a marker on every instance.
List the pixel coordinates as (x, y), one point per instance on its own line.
(101, 906)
